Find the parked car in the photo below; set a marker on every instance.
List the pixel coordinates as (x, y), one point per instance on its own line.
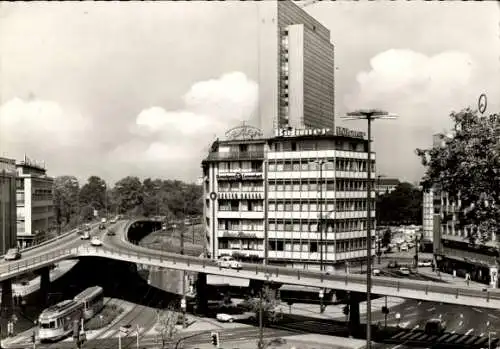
(404, 271)
(95, 242)
(246, 316)
(85, 236)
(12, 254)
(426, 263)
(376, 272)
(228, 262)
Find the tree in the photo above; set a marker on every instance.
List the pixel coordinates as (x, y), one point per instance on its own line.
(271, 305)
(93, 195)
(152, 196)
(66, 197)
(401, 206)
(386, 238)
(129, 194)
(166, 325)
(467, 167)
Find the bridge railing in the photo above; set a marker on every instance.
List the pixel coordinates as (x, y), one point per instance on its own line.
(33, 262)
(141, 257)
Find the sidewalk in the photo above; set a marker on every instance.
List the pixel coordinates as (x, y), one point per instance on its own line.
(301, 341)
(448, 278)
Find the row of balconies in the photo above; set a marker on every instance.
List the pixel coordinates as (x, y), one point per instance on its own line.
(292, 235)
(290, 215)
(327, 256)
(315, 174)
(326, 194)
(328, 155)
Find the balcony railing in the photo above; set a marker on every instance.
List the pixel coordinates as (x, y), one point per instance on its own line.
(244, 155)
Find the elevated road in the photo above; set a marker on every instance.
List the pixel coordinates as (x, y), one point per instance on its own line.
(119, 248)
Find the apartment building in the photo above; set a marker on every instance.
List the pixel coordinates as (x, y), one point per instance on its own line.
(35, 202)
(7, 204)
(277, 189)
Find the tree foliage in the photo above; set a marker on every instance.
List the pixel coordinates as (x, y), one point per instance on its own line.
(271, 306)
(467, 167)
(166, 326)
(130, 196)
(401, 206)
(66, 190)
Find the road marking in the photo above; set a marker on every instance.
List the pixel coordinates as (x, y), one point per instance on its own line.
(420, 302)
(452, 332)
(460, 323)
(411, 314)
(416, 327)
(410, 308)
(493, 316)
(431, 309)
(482, 334)
(469, 332)
(478, 310)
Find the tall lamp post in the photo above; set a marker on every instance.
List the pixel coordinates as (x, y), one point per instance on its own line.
(369, 115)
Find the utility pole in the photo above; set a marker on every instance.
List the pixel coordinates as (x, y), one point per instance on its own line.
(183, 279)
(261, 322)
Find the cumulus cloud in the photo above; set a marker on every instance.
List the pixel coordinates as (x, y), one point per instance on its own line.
(422, 90)
(39, 126)
(168, 136)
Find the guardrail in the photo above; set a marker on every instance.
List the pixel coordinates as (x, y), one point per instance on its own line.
(396, 287)
(12, 269)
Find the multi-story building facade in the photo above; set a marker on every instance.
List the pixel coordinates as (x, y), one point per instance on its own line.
(7, 204)
(35, 202)
(296, 69)
(454, 252)
(384, 185)
(276, 189)
(428, 214)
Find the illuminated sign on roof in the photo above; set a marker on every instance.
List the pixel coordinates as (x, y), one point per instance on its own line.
(338, 131)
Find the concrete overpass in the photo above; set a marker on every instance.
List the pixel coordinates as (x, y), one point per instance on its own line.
(119, 247)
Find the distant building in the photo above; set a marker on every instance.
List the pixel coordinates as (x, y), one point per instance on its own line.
(273, 188)
(296, 69)
(7, 204)
(35, 202)
(453, 249)
(384, 185)
(428, 214)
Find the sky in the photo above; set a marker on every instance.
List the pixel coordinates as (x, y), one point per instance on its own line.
(142, 88)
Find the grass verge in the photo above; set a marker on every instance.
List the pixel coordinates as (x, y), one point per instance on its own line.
(104, 317)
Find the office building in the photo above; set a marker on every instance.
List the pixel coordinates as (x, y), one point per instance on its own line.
(428, 214)
(35, 202)
(384, 185)
(277, 188)
(453, 250)
(7, 204)
(296, 69)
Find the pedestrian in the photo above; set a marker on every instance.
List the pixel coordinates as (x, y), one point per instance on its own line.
(467, 278)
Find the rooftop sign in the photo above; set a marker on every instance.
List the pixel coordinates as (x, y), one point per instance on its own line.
(338, 131)
(244, 132)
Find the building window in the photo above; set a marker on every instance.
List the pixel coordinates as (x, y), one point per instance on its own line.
(313, 246)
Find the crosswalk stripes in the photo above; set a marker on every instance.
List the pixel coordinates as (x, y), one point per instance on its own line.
(445, 338)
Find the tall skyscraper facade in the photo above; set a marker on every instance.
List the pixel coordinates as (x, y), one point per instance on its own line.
(296, 69)
(7, 204)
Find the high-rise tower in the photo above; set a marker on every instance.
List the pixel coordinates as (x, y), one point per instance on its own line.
(296, 69)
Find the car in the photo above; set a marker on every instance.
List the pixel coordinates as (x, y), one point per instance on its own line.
(426, 263)
(403, 247)
(111, 232)
(404, 271)
(376, 272)
(435, 327)
(85, 236)
(113, 220)
(102, 226)
(95, 242)
(228, 262)
(246, 316)
(393, 265)
(12, 254)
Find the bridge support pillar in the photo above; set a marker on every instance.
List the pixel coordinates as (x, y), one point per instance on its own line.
(7, 306)
(201, 294)
(44, 284)
(354, 316)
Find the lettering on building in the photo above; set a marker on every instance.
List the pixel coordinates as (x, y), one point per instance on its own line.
(244, 132)
(338, 131)
(239, 176)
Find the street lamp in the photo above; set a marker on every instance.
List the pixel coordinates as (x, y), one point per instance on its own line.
(320, 162)
(369, 115)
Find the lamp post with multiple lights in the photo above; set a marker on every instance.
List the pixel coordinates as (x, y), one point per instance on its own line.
(369, 115)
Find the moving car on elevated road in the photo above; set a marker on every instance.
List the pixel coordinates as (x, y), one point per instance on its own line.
(96, 241)
(12, 254)
(228, 262)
